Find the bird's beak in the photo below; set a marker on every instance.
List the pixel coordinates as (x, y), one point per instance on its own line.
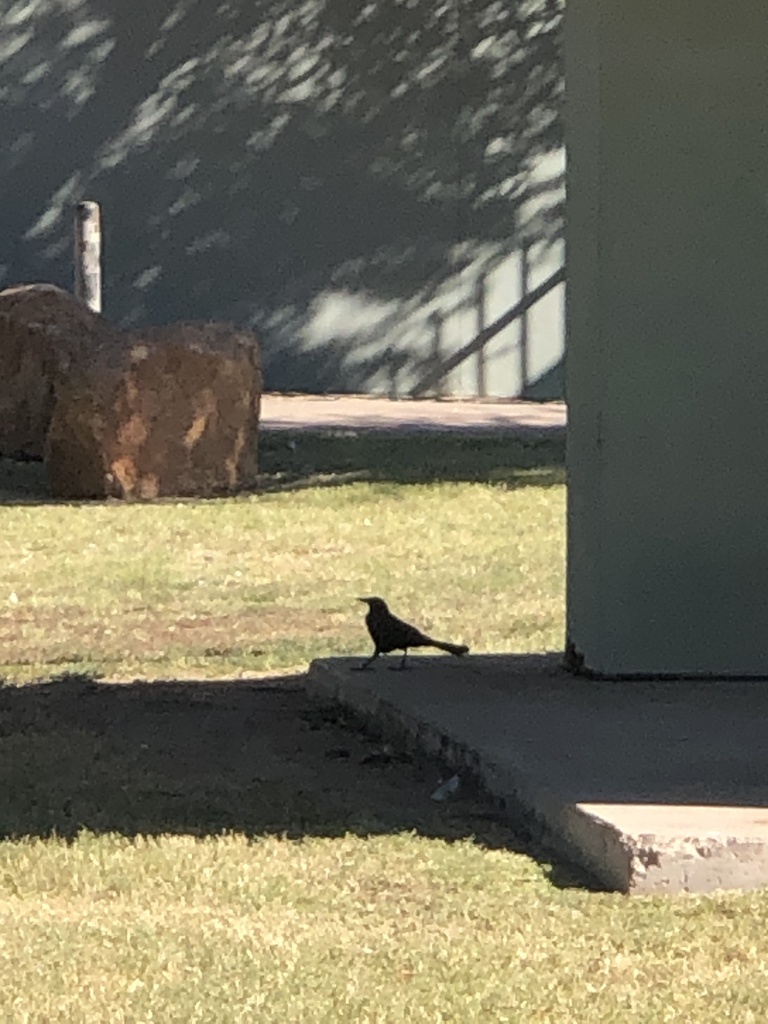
(363, 599)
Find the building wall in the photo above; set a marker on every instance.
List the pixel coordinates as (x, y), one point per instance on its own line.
(332, 173)
(668, 324)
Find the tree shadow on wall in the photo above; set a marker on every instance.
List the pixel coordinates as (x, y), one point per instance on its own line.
(327, 172)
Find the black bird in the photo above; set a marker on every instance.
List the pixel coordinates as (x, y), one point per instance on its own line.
(392, 634)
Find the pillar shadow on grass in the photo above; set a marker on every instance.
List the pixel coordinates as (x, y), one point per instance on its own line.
(257, 758)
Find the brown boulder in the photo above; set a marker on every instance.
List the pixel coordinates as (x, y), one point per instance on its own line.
(41, 329)
(171, 412)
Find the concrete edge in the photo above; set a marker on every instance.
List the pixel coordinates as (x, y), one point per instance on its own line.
(581, 838)
(687, 864)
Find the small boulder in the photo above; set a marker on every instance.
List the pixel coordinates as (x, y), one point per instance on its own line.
(41, 328)
(26, 389)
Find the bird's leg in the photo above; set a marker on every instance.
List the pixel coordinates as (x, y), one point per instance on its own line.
(402, 666)
(367, 664)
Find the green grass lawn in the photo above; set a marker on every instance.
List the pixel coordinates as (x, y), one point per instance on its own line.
(471, 548)
(389, 929)
(349, 924)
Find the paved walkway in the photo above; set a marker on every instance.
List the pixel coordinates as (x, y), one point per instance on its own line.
(360, 412)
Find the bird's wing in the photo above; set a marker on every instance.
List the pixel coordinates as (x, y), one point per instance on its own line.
(410, 635)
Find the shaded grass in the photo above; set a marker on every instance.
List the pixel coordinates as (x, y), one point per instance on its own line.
(254, 758)
(264, 583)
(296, 457)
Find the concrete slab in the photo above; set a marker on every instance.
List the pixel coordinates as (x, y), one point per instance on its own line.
(650, 786)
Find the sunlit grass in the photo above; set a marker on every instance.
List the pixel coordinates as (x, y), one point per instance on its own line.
(265, 583)
(391, 929)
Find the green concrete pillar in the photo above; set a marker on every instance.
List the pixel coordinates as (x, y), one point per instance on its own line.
(667, 367)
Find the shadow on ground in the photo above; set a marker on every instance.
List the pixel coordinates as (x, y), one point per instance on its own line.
(296, 458)
(256, 757)
(292, 460)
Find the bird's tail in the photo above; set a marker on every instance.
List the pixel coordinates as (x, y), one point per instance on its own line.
(455, 649)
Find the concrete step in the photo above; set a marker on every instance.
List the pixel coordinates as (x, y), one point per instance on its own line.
(649, 786)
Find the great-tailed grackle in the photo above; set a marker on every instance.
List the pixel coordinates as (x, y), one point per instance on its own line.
(392, 634)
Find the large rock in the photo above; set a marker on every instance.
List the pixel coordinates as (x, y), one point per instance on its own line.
(42, 328)
(171, 412)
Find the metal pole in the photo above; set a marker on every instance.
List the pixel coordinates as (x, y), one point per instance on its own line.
(88, 255)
